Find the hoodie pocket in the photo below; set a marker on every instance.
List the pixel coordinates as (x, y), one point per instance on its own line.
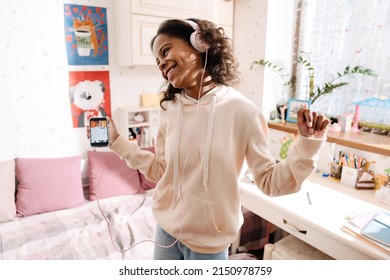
(199, 221)
(211, 216)
(192, 220)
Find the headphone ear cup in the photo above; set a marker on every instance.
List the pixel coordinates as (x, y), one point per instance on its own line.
(198, 43)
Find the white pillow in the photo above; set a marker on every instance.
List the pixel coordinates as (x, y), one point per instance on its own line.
(7, 190)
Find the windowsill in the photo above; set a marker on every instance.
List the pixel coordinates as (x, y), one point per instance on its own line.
(364, 141)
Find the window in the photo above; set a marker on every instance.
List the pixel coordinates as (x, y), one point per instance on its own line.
(338, 33)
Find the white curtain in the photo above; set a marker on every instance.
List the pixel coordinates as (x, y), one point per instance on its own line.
(340, 33)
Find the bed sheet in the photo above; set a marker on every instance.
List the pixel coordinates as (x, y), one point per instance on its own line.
(83, 233)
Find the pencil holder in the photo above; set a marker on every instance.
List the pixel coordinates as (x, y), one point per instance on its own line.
(349, 176)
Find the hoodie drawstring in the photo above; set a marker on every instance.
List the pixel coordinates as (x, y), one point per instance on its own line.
(182, 101)
(176, 156)
(208, 144)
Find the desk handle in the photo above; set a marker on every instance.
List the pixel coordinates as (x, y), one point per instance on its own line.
(294, 227)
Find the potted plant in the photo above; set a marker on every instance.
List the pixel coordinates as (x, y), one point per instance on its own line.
(314, 92)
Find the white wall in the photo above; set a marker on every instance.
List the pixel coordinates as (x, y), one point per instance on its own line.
(263, 29)
(279, 49)
(34, 108)
(250, 23)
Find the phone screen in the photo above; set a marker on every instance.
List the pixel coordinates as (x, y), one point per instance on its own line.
(98, 132)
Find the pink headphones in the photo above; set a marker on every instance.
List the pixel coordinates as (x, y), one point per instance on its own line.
(196, 38)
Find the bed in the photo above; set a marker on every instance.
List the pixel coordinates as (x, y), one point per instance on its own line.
(94, 208)
(83, 233)
(57, 210)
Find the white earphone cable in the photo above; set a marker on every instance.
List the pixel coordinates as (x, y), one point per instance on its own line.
(180, 187)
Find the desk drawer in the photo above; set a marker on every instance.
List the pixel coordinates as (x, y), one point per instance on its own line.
(306, 231)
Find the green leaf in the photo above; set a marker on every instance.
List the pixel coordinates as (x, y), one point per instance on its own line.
(304, 59)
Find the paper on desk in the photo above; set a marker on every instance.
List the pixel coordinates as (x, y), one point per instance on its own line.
(363, 225)
(378, 229)
(360, 220)
(383, 218)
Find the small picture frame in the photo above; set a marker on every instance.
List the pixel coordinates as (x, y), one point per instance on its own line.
(293, 106)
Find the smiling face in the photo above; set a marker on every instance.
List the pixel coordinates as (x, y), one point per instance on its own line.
(179, 63)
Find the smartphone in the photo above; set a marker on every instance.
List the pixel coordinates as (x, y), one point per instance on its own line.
(98, 132)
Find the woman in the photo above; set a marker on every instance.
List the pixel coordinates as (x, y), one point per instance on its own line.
(207, 129)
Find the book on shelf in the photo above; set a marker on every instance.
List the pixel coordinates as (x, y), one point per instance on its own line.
(141, 135)
(365, 184)
(365, 181)
(372, 227)
(147, 137)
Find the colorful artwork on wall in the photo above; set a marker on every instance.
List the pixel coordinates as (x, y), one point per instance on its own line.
(86, 35)
(90, 96)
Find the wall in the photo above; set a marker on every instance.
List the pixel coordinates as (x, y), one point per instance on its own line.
(263, 29)
(249, 37)
(279, 49)
(34, 108)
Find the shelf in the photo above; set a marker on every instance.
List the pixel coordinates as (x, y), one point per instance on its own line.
(138, 124)
(364, 141)
(147, 133)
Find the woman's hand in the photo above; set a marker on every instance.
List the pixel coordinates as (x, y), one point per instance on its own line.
(112, 130)
(312, 124)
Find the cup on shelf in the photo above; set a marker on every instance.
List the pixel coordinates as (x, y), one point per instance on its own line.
(335, 170)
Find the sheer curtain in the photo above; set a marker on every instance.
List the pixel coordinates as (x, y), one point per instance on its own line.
(340, 33)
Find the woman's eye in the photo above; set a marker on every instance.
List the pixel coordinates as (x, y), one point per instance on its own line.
(165, 52)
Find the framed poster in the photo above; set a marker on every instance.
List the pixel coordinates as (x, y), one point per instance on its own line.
(86, 35)
(293, 106)
(90, 96)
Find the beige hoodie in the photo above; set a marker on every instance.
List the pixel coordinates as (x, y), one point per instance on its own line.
(200, 150)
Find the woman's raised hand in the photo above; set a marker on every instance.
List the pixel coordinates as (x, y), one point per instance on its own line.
(312, 124)
(112, 130)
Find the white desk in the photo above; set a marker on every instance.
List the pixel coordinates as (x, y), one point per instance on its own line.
(319, 223)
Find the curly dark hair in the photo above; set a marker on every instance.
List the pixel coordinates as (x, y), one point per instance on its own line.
(221, 64)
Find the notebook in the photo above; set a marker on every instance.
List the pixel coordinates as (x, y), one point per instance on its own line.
(361, 219)
(378, 228)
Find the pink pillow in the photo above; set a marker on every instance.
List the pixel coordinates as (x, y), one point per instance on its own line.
(48, 184)
(111, 176)
(145, 184)
(7, 190)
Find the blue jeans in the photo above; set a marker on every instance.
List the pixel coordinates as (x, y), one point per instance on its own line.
(179, 251)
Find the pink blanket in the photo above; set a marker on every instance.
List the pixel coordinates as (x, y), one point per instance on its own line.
(82, 232)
